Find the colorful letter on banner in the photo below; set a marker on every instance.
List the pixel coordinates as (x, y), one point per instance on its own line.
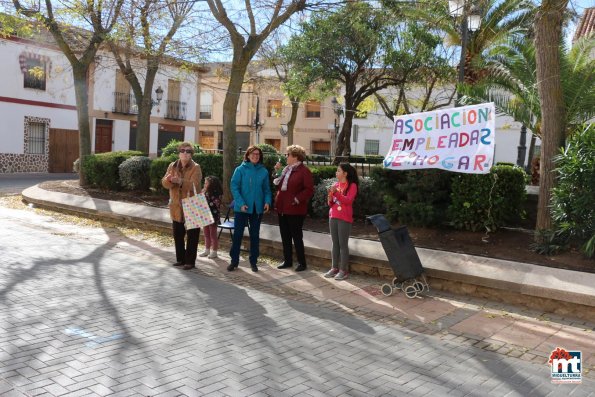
(458, 139)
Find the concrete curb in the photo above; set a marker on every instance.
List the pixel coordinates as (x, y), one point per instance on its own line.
(536, 286)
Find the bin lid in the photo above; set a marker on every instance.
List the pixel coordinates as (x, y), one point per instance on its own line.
(380, 222)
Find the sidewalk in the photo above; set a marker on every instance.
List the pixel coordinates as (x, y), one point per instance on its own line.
(528, 334)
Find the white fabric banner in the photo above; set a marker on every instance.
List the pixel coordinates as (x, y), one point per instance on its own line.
(457, 139)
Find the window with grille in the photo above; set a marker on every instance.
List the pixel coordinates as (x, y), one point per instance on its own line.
(371, 147)
(274, 107)
(312, 109)
(206, 105)
(34, 76)
(36, 138)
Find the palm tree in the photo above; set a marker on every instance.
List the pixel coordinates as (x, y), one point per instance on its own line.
(500, 21)
(510, 82)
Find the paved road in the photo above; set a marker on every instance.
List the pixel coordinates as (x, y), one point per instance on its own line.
(83, 312)
(17, 182)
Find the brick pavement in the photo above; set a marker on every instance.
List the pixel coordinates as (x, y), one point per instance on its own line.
(85, 312)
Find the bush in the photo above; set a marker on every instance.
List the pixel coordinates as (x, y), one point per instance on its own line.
(423, 197)
(323, 172)
(134, 173)
(171, 149)
(367, 202)
(372, 159)
(266, 148)
(488, 201)
(102, 170)
(573, 199)
(157, 171)
(416, 197)
(210, 164)
(319, 199)
(319, 158)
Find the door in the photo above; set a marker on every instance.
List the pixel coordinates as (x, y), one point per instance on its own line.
(103, 136)
(206, 139)
(321, 147)
(167, 133)
(276, 143)
(64, 149)
(132, 138)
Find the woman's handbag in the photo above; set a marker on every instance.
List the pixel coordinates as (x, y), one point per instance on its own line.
(196, 211)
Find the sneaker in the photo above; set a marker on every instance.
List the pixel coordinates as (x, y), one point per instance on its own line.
(342, 275)
(331, 273)
(212, 255)
(204, 253)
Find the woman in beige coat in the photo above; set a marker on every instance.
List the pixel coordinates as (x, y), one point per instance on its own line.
(179, 178)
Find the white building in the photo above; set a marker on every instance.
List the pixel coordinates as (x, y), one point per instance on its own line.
(39, 130)
(36, 103)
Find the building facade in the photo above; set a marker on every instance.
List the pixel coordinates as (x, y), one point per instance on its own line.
(39, 132)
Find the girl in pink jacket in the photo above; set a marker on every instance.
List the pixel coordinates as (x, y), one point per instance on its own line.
(340, 200)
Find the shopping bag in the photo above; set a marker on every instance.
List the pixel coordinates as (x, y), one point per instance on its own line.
(196, 211)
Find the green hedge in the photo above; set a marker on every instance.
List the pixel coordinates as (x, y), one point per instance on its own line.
(171, 149)
(367, 201)
(372, 159)
(323, 172)
(210, 164)
(488, 201)
(102, 170)
(415, 197)
(573, 199)
(423, 197)
(134, 173)
(157, 171)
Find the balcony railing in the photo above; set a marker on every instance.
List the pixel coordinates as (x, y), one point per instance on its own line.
(175, 110)
(124, 103)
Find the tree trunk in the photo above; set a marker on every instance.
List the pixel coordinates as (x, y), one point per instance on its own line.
(230, 104)
(548, 28)
(531, 152)
(143, 126)
(343, 149)
(344, 141)
(81, 91)
(144, 101)
(295, 105)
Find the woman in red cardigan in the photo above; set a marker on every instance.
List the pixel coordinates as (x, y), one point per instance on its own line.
(340, 200)
(295, 187)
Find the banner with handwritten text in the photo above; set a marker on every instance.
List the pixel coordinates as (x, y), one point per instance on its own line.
(457, 139)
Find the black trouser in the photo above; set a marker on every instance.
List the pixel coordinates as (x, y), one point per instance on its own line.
(185, 253)
(290, 227)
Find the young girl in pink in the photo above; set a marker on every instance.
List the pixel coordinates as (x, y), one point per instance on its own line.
(340, 200)
(213, 193)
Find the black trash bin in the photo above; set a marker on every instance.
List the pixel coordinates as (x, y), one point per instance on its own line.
(402, 258)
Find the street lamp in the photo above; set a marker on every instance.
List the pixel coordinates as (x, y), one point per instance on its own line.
(257, 123)
(470, 22)
(159, 96)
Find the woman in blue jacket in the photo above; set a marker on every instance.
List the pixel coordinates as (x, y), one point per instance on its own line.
(252, 197)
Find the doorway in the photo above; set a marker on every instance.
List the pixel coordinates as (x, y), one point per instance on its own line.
(103, 136)
(64, 150)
